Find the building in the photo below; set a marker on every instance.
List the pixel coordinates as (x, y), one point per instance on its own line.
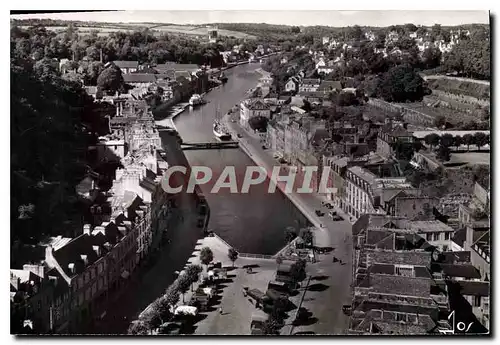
(127, 67)
(292, 85)
(388, 137)
(478, 208)
(329, 86)
(213, 34)
(394, 289)
(252, 108)
(324, 67)
(309, 85)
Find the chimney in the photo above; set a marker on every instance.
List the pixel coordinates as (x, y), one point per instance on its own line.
(97, 250)
(71, 268)
(86, 229)
(84, 259)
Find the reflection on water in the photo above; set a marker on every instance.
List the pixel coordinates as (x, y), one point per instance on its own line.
(252, 222)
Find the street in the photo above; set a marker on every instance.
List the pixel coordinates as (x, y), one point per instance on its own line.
(335, 278)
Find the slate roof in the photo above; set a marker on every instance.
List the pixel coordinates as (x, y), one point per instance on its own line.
(72, 253)
(139, 78)
(330, 85)
(472, 288)
(429, 226)
(126, 64)
(460, 270)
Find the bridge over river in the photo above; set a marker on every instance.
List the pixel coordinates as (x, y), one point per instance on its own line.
(210, 145)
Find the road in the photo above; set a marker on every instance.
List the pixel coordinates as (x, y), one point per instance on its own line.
(332, 279)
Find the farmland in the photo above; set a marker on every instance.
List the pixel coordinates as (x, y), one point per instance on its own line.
(158, 29)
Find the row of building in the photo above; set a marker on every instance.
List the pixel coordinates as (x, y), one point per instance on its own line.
(66, 284)
(417, 258)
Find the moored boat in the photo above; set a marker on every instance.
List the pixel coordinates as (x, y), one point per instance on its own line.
(196, 100)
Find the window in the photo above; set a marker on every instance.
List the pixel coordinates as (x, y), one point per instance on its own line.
(436, 236)
(428, 237)
(80, 282)
(447, 235)
(39, 305)
(404, 270)
(92, 273)
(477, 301)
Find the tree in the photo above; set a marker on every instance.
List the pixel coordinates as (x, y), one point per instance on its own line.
(172, 295)
(193, 274)
(271, 326)
(306, 235)
(111, 79)
(232, 255)
(345, 99)
(258, 123)
(400, 84)
(279, 308)
(444, 153)
(183, 284)
(432, 139)
(440, 121)
(468, 140)
(290, 234)
(206, 255)
(410, 27)
(446, 140)
(138, 328)
(298, 271)
(457, 141)
(480, 139)
(431, 57)
(295, 30)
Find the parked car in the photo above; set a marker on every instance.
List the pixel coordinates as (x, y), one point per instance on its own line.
(337, 218)
(319, 213)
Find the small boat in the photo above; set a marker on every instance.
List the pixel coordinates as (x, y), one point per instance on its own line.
(223, 78)
(219, 129)
(220, 132)
(196, 100)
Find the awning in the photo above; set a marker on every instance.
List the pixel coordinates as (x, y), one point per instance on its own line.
(125, 274)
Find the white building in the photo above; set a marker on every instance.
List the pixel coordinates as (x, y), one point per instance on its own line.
(253, 108)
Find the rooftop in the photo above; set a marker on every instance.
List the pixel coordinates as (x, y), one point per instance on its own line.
(364, 174)
(126, 64)
(429, 226)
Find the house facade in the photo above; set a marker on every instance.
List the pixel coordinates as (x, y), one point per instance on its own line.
(253, 108)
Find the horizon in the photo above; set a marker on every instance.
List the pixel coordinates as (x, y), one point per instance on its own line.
(368, 18)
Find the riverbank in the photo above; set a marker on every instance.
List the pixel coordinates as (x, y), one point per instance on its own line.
(333, 236)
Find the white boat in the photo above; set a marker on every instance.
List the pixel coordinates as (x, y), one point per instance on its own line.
(196, 100)
(220, 132)
(219, 129)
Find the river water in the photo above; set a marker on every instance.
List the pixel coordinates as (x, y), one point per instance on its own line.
(253, 222)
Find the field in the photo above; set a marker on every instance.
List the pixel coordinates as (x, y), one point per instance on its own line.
(197, 30)
(158, 29)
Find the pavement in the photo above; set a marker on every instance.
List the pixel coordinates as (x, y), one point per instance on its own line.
(330, 284)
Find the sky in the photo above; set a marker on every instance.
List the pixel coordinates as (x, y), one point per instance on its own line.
(304, 18)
